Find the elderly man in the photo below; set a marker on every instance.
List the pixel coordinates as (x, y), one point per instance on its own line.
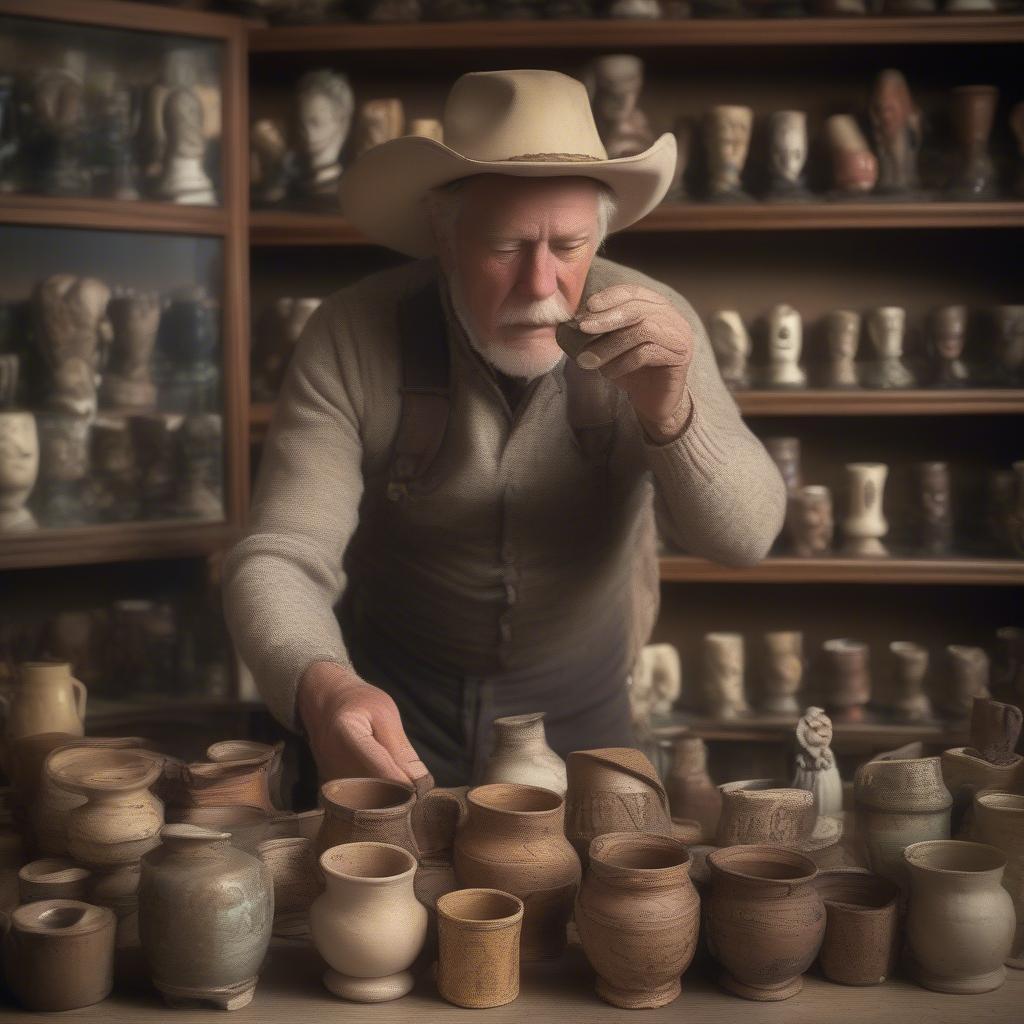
(483, 505)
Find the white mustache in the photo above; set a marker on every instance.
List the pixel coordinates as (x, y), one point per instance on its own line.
(547, 312)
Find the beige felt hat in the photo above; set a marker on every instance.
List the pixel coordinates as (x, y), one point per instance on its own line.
(531, 124)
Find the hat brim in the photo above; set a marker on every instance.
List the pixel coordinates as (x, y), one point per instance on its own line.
(382, 193)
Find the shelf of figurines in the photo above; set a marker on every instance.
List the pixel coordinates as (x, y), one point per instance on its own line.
(678, 893)
(112, 214)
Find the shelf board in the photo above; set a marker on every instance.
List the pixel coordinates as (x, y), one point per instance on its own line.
(285, 227)
(970, 571)
(619, 34)
(914, 402)
(112, 214)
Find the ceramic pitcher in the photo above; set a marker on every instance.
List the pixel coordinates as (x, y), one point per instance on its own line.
(47, 699)
(999, 821)
(521, 754)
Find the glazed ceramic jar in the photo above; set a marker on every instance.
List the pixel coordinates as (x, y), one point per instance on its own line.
(513, 840)
(47, 699)
(478, 947)
(205, 916)
(861, 926)
(999, 821)
(367, 810)
(638, 916)
(53, 878)
(899, 802)
(960, 920)
(521, 754)
(613, 789)
(368, 925)
(765, 811)
(765, 920)
(59, 954)
(691, 793)
(296, 881)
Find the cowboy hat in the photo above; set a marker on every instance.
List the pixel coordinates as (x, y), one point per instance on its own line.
(529, 124)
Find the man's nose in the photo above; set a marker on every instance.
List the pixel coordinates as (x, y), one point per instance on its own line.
(539, 277)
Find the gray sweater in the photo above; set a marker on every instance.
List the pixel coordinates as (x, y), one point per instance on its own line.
(522, 552)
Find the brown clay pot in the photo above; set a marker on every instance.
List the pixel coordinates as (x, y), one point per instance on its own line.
(296, 881)
(638, 916)
(53, 878)
(691, 793)
(478, 955)
(367, 810)
(614, 789)
(764, 811)
(513, 840)
(861, 927)
(239, 773)
(965, 774)
(765, 920)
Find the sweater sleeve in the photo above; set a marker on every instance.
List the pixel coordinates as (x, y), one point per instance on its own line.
(282, 579)
(718, 495)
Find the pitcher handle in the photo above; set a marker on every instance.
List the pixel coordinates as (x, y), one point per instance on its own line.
(436, 817)
(81, 696)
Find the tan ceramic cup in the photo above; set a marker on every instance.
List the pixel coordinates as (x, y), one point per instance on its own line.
(478, 947)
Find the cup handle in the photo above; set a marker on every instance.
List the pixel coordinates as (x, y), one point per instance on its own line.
(436, 817)
(81, 696)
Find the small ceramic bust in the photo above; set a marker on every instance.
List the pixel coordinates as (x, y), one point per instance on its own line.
(324, 108)
(885, 329)
(615, 82)
(973, 112)
(842, 335)
(936, 507)
(378, 121)
(810, 522)
(128, 382)
(394, 10)
(946, 347)
(1009, 345)
(785, 340)
(19, 467)
(58, 110)
(788, 155)
(1017, 127)
(728, 141)
(854, 167)
(634, 9)
(816, 769)
(723, 675)
(731, 344)
(896, 124)
(269, 163)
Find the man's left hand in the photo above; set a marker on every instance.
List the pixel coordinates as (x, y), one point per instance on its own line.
(645, 347)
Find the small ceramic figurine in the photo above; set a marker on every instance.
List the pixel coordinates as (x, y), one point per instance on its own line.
(184, 179)
(866, 525)
(842, 334)
(723, 675)
(378, 121)
(973, 111)
(1009, 345)
(1017, 127)
(683, 131)
(783, 672)
(324, 107)
(788, 155)
(128, 381)
(816, 769)
(19, 467)
(785, 341)
(885, 329)
(854, 167)
(58, 111)
(634, 9)
(731, 344)
(896, 124)
(936, 512)
(946, 346)
(809, 521)
(276, 342)
(614, 82)
(270, 163)
(907, 699)
(394, 10)
(728, 141)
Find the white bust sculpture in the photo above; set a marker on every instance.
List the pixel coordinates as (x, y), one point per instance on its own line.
(731, 344)
(788, 154)
(842, 333)
(19, 467)
(728, 137)
(885, 329)
(785, 341)
(724, 695)
(324, 109)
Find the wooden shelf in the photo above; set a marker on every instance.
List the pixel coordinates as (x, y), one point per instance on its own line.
(957, 571)
(283, 227)
(112, 214)
(106, 713)
(601, 34)
(916, 402)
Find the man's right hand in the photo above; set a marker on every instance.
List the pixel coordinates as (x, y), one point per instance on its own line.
(354, 728)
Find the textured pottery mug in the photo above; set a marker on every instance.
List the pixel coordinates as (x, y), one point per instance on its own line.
(367, 811)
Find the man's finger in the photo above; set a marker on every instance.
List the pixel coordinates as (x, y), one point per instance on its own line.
(621, 315)
(603, 350)
(619, 293)
(392, 737)
(356, 733)
(639, 356)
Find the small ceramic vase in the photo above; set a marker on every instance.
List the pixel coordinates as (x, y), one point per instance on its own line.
(899, 802)
(847, 678)
(59, 954)
(614, 789)
(46, 699)
(296, 881)
(513, 840)
(53, 878)
(909, 665)
(865, 524)
(966, 773)
(968, 678)
(205, 916)
(252, 777)
(765, 920)
(521, 754)
(842, 335)
(691, 793)
(960, 920)
(785, 343)
(723, 669)
(973, 110)
(367, 810)
(478, 947)
(368, 924)
(783, 672)
(999, 821)
(638, 916)
(861, 926)
(763, 811)
(809, 521)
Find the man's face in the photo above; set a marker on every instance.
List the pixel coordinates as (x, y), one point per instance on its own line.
(517, 259)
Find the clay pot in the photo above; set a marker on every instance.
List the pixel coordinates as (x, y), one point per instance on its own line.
(960, 921)
(638, 916)
(764, 811)
(296, 881)
(898, 803)
(909, 666)
(861, 927)
(847, 679)
(53, 878)
(367, 810)
(968, 678)
(521, 754)
(239, 773)
(59, 954)
(783, 672)
(478, 954)
(999, 821)
(614, 789)
(368, 924)
(965, 774)
(513, 840)
(687, 831)
(691, 793)
(205, 916)
(765, 920)
(46, 699)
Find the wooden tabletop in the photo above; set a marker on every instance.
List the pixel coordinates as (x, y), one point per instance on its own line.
(290, 991)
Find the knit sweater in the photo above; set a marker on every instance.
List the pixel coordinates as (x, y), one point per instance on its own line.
(523, 553)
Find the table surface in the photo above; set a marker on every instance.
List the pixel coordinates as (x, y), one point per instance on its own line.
(290, 991)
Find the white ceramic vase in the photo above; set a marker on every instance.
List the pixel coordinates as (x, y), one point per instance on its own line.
(865, 524)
